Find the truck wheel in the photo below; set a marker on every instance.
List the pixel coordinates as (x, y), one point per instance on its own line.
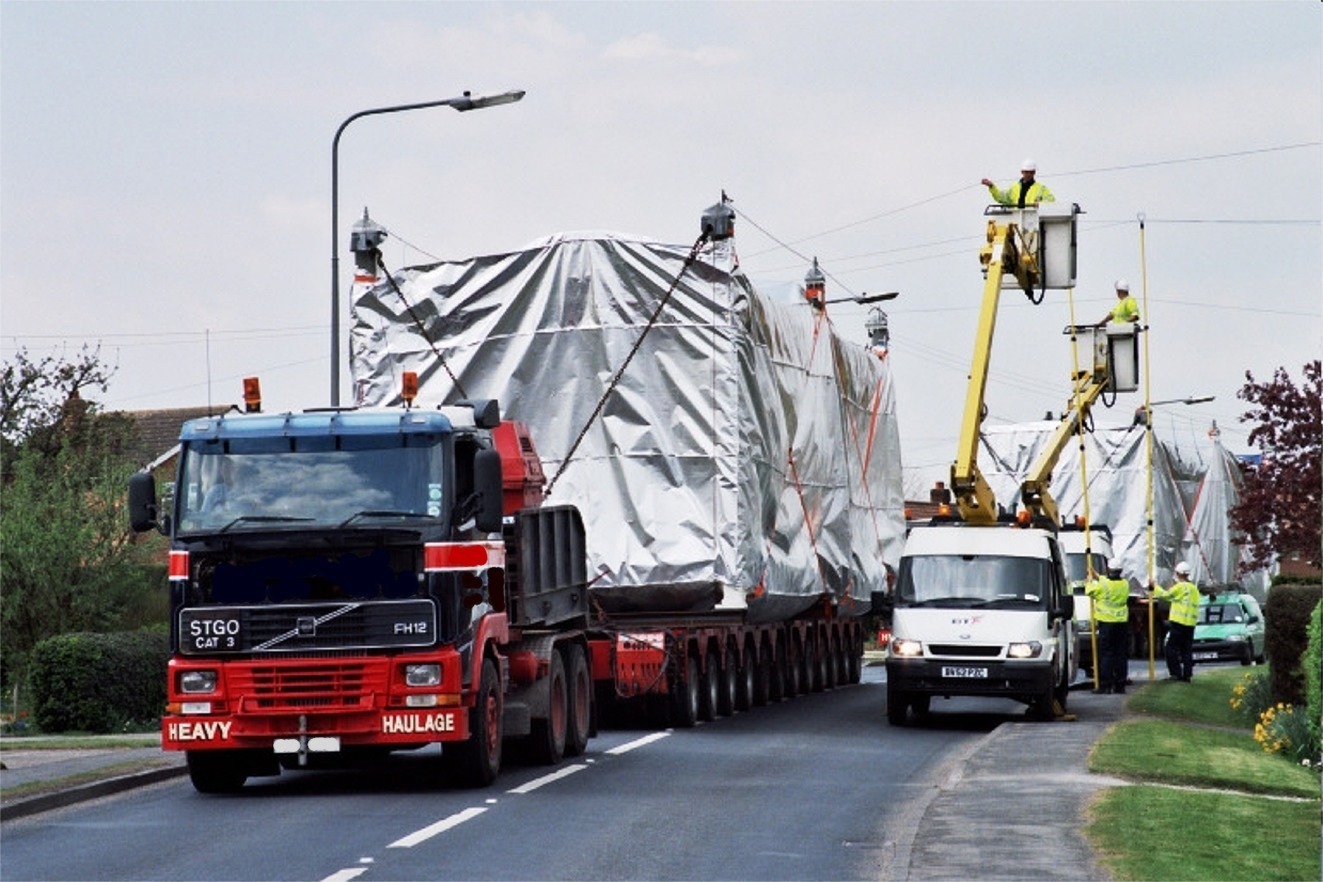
(1041, 705)
(794, 670)
(746, 694)
(550, 732)
(684, 697)
(920, 704)
(709, 695)
(217, 771)
(898, 705)
(480, 756)
(855, 662)
(776, 675)
(730, 686)
(580, 683)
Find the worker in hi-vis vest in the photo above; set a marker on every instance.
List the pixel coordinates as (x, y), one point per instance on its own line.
(1111, 597)
(1025, 191)
(1181, 619)
(1126, 309)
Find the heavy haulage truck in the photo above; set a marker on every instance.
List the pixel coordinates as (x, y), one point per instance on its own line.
(723, 501)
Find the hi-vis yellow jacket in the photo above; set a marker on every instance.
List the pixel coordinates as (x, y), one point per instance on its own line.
(1011, 196)
(1184, 597)
(1109, 598)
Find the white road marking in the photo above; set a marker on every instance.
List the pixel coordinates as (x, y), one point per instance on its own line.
(547, 779)
(346, 875)
(440, 826)
(640, 742)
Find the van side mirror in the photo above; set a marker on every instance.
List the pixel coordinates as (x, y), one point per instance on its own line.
(487, 483)
(142, 502)
(1067, 608)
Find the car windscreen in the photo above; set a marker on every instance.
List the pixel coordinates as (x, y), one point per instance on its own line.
(1221, 614)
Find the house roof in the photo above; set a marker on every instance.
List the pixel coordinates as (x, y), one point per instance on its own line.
(158, 430)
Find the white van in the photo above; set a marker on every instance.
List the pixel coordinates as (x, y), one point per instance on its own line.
(1079, 546)
(980, 610)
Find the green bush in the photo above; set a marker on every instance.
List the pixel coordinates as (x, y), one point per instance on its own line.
(1287, 614)
(99, 683)
(1311, 666)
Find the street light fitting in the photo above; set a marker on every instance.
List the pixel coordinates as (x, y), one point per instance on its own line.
(863, 299)
(464, 102)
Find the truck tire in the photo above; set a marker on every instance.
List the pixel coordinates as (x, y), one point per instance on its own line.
(709, 695)
(217, 771)
(855, 662)
(729, 694)
(746, 696)
(480, 756)
(684, 697)
(580, 726)
(898, 705)
(776, 674)
(794, 670)
(550, 732)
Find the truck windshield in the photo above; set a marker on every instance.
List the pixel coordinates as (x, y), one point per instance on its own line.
(234, 490)
(973, 580)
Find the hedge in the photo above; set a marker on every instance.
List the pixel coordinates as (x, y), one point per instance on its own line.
(1287, 615)
(99, 683)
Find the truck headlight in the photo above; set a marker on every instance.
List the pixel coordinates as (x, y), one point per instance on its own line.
(195, 682)
(1032, 649)
(422, 675)
(909, 648)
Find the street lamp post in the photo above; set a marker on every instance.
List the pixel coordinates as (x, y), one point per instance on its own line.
(464, 102)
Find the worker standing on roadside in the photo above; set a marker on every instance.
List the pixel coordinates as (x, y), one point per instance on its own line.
(1184, 598)
(1111, 596)
(1126, 309)
(1023, 192)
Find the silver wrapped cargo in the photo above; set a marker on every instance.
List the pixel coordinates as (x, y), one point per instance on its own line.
(748, 459)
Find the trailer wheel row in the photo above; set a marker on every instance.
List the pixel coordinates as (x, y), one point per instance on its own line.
(707, 682)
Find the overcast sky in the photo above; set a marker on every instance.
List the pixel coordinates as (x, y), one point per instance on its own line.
(165, 175)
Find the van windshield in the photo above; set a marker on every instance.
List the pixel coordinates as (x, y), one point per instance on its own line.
(974, 580)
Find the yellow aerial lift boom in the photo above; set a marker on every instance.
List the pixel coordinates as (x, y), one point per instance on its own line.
(1115, 368)
(1033, 249)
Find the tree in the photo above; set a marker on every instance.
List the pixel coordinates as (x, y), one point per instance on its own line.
(66, 557)
(1279, 508)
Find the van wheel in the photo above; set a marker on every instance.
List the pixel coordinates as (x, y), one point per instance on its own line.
(1248, 657)
(898, 704)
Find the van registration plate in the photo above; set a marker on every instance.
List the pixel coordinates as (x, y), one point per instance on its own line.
(965, 672)
(1205, 656)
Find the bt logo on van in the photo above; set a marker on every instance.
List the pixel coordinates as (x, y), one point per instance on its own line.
(967, 620)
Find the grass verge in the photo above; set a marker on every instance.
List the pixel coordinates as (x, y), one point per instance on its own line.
(1159, 833)
(1186, 735)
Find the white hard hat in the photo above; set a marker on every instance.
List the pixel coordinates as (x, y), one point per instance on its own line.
(1182, 569)
(1122, 285)
(1029, 165)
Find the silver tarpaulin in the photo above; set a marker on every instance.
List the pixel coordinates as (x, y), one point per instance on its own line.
(1190, 501)
(748, 459)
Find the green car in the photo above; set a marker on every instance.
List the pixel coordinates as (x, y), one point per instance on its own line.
(1230, 628)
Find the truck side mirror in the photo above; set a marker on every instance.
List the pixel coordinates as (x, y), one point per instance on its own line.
(487, 483)
(142, 502)
(1067, 610)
